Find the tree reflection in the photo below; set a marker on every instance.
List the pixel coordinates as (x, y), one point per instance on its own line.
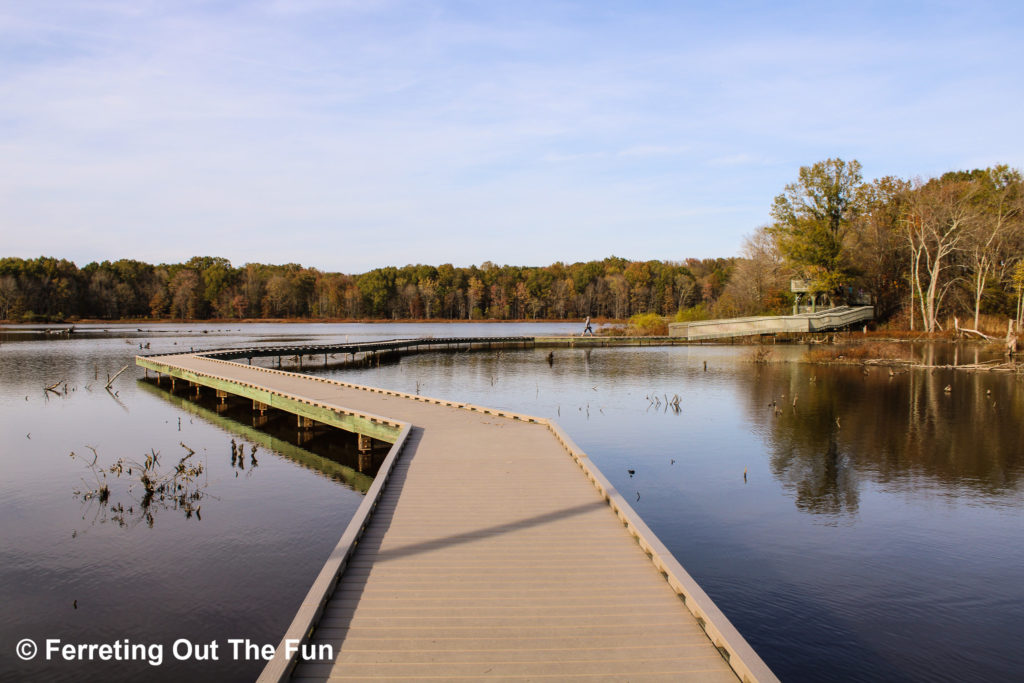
(831, 427)
(823, 484)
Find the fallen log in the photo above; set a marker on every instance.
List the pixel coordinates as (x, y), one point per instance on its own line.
(956, 325)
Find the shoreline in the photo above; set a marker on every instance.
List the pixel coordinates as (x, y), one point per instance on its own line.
(303, 321)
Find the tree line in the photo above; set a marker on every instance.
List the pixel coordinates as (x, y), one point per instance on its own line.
(209, 287)
(922, 250)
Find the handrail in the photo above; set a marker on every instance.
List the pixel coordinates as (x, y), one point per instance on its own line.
(279, 668)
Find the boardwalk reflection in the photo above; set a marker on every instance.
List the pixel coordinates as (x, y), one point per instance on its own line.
(335, 456)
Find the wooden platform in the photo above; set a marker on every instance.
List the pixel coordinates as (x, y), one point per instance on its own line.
(495, 551)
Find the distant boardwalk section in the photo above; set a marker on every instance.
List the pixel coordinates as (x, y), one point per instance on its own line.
(488, 547)
(826, 320)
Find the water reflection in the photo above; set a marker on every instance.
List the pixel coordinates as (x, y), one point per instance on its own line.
(824, 484)
(828, 427)
(330, 452)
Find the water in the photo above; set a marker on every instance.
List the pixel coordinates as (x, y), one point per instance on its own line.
(876, 534)
(83, 571)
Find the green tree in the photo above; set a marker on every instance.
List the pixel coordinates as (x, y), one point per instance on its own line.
(375, 286)
(811, 220)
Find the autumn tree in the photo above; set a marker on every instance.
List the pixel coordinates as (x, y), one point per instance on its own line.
(758, 283)
(475, 297)
(8, 296)
(184, 293)
(995, 227)
(1017, 279)
(877, 244)
(281, 299)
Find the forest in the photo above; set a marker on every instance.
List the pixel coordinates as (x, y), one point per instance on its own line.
(923, 250)
(207, 287)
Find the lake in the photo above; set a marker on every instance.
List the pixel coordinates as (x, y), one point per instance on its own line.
(853, 524)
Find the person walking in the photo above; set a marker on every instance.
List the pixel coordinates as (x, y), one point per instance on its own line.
(588, 329)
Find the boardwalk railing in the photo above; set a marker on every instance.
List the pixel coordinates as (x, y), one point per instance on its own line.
(280, 667)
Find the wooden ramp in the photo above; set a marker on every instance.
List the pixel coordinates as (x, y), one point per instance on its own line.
(495, 551)
(838, 318)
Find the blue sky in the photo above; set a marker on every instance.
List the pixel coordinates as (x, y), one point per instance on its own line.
(351, 134)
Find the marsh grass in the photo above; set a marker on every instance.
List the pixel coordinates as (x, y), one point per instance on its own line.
(859, 353)
(179, 487)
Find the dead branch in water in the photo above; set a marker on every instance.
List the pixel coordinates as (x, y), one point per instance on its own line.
(987, 366)
(53, 387)
(990, 366)
(887, 361)
(111, 380)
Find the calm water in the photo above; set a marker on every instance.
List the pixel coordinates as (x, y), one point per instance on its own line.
(90, 572)
(876, 536)
(878, 533)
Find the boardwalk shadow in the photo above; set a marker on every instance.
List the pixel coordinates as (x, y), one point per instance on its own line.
(496, 530)
(382, 519)
(334, 626)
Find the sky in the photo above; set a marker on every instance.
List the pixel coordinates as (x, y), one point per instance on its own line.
(351, 134)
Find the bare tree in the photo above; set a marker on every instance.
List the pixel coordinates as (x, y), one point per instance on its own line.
(935, 226)
(758, 275)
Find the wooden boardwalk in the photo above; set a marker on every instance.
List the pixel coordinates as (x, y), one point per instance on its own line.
(495, 550)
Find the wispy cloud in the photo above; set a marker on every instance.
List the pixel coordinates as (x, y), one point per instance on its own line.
(466, 133)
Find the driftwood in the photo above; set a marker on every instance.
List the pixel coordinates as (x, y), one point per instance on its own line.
(53, 387)
(111, 380)
(991, 366)
(988, 366)
(885, 361)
